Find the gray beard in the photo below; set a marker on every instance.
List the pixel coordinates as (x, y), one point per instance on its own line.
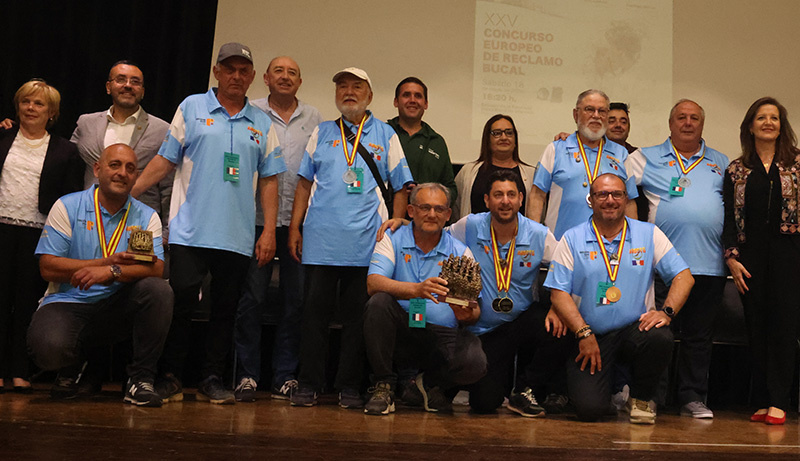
(590, 135)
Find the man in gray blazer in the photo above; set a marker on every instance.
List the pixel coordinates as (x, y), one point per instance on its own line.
(126, 122)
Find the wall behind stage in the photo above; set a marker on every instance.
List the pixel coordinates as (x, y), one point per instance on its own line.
(725, 54)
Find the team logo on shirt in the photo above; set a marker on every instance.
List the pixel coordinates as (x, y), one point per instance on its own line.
(486, 249)
(670, 163)
(637, 256)
(255, 135)
(377, 151)
(715, 168)
(206, 121)
(406, 257)
(430, 151)
(591, 255)
(526, 255)
(89, 224)
(333, 142)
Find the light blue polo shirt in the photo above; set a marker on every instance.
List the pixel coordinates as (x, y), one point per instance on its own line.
(534, 244)
(207, 211)
(693, 223)
(561, 172)
(578, 267)
(398, 257)
(71, 232)
(340, 227)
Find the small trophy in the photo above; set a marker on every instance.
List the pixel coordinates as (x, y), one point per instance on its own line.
(140, 244)
(463, 276)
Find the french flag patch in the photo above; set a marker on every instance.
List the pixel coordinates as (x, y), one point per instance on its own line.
(356, 183)
(524, 264)
(677, 189)
(233, 171)
(604, 300)
(417, 317)
(639, 262)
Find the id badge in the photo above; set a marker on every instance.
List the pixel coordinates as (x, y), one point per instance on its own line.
(602, 287)
(230, 171)
(356, 186)
(416, 312)
(675, 189)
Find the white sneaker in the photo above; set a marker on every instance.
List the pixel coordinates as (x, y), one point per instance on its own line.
(697, 410)
(641, 413)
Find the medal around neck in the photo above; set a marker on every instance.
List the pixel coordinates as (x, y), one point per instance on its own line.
(463, 276)
(140, 244)
(349, 176)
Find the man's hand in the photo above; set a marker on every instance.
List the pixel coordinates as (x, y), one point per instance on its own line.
(295, 244)
(393, 224)
(86, 277)
(121, 259)
(468, 314)
(561, 136)
(739, 273)
(652, 319)
(7, 124)
(265, 247)
(430, 286)
(553, 321)
(589, 351)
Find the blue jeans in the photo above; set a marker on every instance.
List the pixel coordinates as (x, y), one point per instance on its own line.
(247, 338)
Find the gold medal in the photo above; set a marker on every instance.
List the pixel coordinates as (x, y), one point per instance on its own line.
(613, 294)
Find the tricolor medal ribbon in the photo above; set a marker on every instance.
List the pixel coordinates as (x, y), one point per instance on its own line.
(111, 247)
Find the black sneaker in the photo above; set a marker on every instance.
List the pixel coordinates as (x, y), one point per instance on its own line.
(433, 398)
(350, 399)
(555, 404)
(381, 400)
(169, 388)
(285, 392)
(212, 390)
(525, 404)
(142, 394)
(410, 395)
(246, 390)
(64, 388)
(304, 397)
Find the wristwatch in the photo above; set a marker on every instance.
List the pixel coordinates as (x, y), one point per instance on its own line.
(116, 271)
(669, 311)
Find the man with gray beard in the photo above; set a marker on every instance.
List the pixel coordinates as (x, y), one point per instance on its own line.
(567, 168)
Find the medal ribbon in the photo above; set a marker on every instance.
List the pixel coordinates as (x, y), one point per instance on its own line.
(109, 249)
(503, 274)
(684, 169)
(591, 175)
(612, 270)
(350, 157)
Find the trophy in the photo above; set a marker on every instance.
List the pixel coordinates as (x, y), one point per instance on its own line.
(463, 276)
(140, 244)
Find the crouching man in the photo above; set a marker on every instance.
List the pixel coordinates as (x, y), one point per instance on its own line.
(404, 318)
(99, 291)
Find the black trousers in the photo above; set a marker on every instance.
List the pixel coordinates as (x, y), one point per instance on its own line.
(448, 356)
(318, 309)
(21, 287)
(502, 344)
(188, 268)
(648, 354)
(694, 325)
(60, 332)
(772, 312)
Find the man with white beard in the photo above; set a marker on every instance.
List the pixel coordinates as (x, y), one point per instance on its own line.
(567, 168)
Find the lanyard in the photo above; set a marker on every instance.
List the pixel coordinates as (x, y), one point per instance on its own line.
(111, 248)
(684, 169)
(503, 273)
(612, 270)
(589, 174)
(350, 157)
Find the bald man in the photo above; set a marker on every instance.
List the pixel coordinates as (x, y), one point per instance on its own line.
(100, 291)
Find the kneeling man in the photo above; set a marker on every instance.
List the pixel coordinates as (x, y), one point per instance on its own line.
(403, 281)
(601, 279)
(98, 291)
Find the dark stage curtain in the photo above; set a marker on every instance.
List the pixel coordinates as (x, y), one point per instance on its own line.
(73, 43)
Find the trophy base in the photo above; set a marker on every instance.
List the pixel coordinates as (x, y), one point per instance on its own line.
(144, 258)
(451, 300)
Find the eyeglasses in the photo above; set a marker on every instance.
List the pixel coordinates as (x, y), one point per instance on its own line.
(508, 132)
(425, 208)
(121, 80)
(601, 111)
(604, 194)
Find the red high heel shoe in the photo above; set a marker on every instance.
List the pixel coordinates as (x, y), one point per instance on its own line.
(758, 416)
(774, 420)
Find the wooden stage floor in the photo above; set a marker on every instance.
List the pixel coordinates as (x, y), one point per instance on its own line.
(34, 427)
